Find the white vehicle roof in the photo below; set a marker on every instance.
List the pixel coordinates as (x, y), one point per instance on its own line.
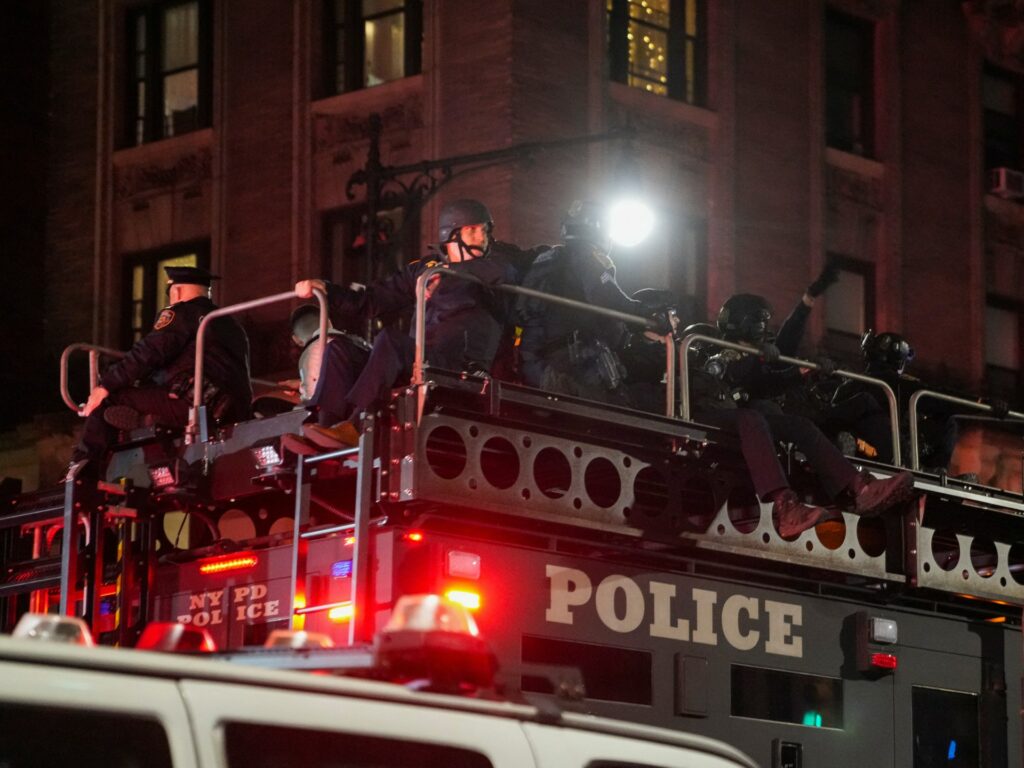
(180, 667)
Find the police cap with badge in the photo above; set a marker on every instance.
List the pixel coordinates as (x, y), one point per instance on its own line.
(189, 276)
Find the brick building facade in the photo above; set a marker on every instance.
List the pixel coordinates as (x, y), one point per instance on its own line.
(768, 136)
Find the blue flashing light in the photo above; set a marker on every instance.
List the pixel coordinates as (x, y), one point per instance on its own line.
(951, 754)
(341, 569)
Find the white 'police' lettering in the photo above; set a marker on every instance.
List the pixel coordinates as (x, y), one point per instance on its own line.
(622, 606)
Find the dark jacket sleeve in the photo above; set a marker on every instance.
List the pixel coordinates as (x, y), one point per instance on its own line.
(792, 331)
(175, 328)
(600, 286)
(518, 259)
(760, 380)
(390, 294)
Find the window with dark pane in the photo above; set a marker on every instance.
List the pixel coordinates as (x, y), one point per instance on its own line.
(1001, 99)
(145, 284)
(849, 83)
(169, 64)
(659, 46)
(373, 42)
(1002, 347)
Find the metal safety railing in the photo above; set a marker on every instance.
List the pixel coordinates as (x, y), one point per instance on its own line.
(915, 433)
(684, 381)
(95, 353)
(420, 327)
(196, 429)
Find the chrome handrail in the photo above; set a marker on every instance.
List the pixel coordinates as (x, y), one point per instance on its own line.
(684, 381)
(915, 435)
(95, 351)
(192, 429)
(420, 326)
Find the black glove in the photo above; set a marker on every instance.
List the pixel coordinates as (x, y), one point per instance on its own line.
(829, 276)
(770, 353)
(826, 365)
(1000, 408)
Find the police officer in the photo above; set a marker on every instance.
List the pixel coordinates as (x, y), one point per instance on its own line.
(744, 318)
(864, 410)
(464, 321)
(154, 382)
(565, 350)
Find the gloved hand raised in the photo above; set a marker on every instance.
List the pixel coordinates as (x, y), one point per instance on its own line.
(1000, 408)
(770, 353)
(829, 275)
(826, 365)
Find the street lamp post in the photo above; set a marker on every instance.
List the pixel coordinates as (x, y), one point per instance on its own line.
(414, 184)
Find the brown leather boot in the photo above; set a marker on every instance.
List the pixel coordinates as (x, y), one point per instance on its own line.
(872, 496)
(794, 517)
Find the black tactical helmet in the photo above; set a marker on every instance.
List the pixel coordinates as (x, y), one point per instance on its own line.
(887, 349)
(701, 349)
(744, 317)
(585, 221)
(461, 213)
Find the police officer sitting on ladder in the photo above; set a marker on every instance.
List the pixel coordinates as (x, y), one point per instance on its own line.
(565, 350)
(154, 382)
(464, 321)
(744, 318)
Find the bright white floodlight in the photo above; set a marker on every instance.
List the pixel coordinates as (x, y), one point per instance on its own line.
(630, 222)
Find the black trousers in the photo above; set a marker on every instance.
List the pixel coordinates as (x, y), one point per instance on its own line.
(759, 432)
(156, 402)
(344, 361)
(353, 379)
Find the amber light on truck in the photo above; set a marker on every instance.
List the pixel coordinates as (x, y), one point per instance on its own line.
(231, 563)
(463, 597)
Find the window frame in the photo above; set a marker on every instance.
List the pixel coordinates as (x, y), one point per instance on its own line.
(1016, 81)
(676, 85)
(867, 29)
(153, 128)
(1016, 376)
(149, 261)
(845, 345)
(355, 44)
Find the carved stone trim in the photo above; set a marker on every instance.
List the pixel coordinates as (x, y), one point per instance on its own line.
(852, 186)
(1002, 230)
(875, 10)
(337, 130)
(139, 179)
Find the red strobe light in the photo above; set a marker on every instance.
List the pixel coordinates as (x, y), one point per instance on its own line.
(236, 562)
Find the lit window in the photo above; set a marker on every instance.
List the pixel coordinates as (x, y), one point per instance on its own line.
(168, 60)
(146, 284)
(373, 42)
(658, 46)
(849, 307)
(845, 307)
(849, 83)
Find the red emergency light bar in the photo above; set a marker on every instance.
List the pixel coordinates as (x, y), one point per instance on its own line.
(884, 661)
(414, 536)
(230, 563)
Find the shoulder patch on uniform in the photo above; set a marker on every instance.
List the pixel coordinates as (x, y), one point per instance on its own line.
(166, 318)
